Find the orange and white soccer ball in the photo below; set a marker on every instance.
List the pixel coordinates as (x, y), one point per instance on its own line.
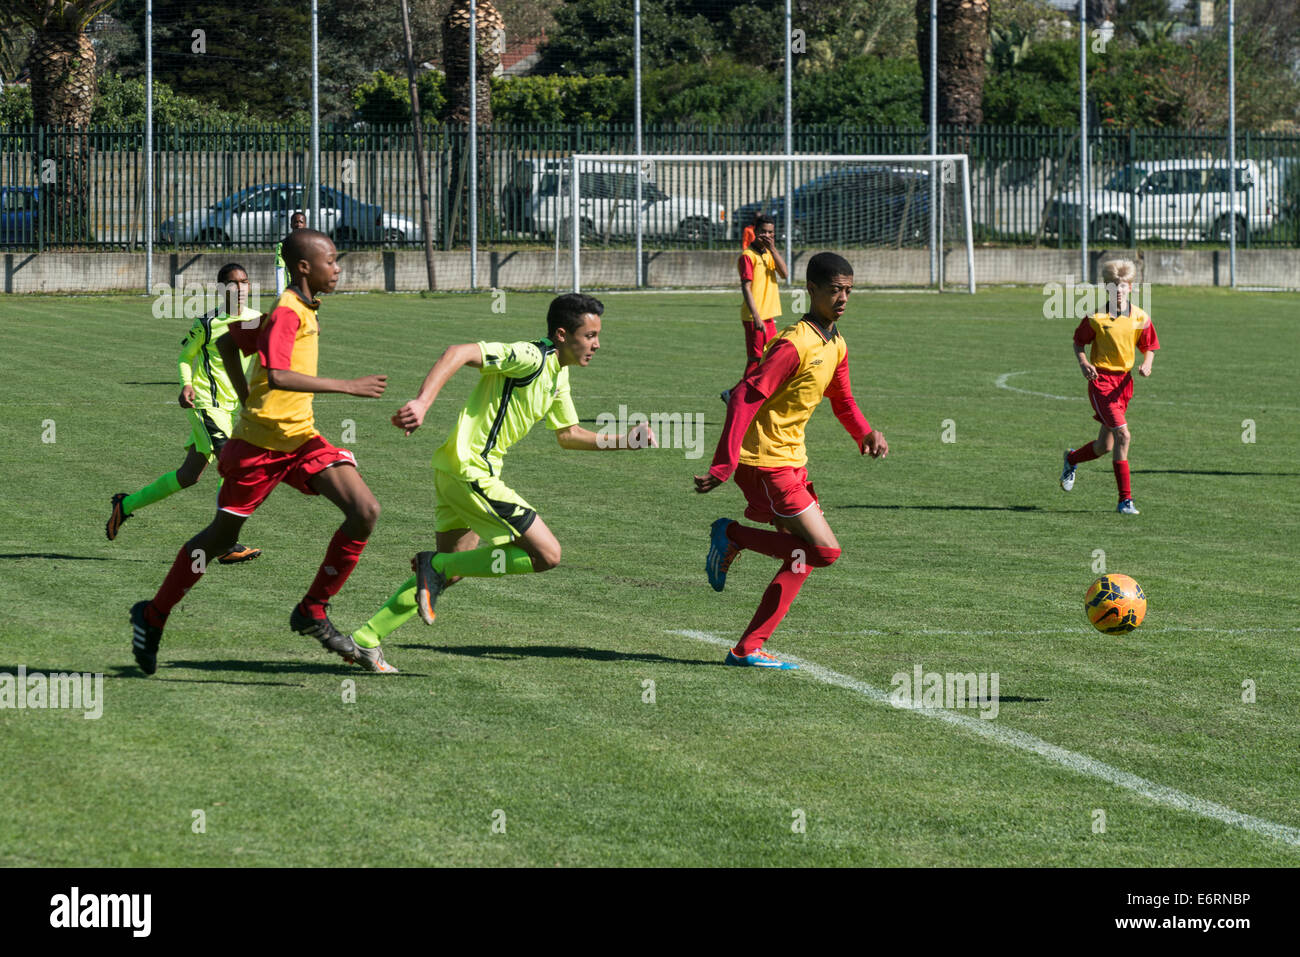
(1115, 604)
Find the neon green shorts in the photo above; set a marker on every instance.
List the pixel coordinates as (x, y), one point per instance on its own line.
(488, 507)
(209, 430)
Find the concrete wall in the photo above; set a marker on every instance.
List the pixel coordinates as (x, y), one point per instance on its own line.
(57, 272)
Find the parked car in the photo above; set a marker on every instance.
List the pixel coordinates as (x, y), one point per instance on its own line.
(18, 206)
(537, 200)
(1169, 199)
(259, 215)
(855, 204)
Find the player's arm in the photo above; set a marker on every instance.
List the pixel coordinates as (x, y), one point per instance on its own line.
(1083, 335)
(776, 257)
(779, 363)
(411, 416)
(576, 437)
(234, 363)
(1147, 344)
(190, 347)
(840, 391)
(747, 294)
(369, 386)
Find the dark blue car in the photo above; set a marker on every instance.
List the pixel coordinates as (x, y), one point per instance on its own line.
(18, 214)
(856, 205)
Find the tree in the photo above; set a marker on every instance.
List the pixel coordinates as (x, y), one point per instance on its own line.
(62, 62)
(963, 44)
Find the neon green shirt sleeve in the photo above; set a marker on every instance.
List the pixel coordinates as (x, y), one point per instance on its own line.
(514, 359)
(190, 347)
(562, 414)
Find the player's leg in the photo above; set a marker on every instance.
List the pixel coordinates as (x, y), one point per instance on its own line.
(196, 459)
(148, 618)
(343, 485)
(1123, 484)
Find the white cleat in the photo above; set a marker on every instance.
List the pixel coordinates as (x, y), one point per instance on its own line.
(372, 659)
(1067, 473)
(1127, 507)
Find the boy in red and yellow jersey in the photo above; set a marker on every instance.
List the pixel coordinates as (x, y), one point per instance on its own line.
(763, 444)
(761, 267)
(276, 440)
(1116, 336)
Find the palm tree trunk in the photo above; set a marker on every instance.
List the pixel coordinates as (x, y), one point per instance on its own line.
(63, 92)
(963, 42)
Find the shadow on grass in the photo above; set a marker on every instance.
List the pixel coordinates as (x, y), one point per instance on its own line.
(516, 653)
(56, 556)
(971, 508)
(271, 668)
(158, 382)
(131, 671)
(1205, 472)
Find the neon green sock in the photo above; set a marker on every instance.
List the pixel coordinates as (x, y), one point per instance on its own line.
(486, 562)
(396, 610)
(156, 491)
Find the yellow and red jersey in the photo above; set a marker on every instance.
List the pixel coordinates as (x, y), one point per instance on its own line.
(277, 419)
(1116, 339)
(760, 272)
(770, 408)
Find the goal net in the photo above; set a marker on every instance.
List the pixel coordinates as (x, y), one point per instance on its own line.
(677, 221)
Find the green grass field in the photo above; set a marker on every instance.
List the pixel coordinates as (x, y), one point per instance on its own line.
(523, 704)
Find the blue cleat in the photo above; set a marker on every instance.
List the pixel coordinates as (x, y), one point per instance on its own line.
(722, 552)
(759, 659)
(1126, 507)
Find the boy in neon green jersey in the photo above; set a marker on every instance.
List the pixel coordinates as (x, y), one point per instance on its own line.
(210, 394)
(296, 221)
(519, 384)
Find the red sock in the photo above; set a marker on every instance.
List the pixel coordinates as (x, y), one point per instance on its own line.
(773, 544)
(180, 579)
(1083, 453)
(771, 610)
(340, 558)
(1121, 479)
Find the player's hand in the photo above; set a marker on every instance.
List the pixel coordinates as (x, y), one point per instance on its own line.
(875, 445)
(370, 386)
(706, 483)
(1089, 371)
(410, 416)
(186, 398)
(642, 437)
(1144, 369)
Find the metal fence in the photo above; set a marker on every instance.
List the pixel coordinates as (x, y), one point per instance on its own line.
(237, 187)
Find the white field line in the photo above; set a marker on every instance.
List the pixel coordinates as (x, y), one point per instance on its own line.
(1002, 382)
(1071, 760)
(1081, 630)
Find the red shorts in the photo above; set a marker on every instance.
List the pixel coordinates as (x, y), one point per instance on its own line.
(1109, 394)
(772, 493)
(757, 335)
(250, 472)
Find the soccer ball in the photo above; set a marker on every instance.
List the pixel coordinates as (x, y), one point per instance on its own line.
(1115, 604)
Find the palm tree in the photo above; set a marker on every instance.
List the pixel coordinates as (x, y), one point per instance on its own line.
(963, 45)
(489, 40)
(62, 61)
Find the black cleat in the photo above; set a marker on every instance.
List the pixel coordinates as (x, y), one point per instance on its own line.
(323, 630)
(429, 584)
(144, 639)
(117, 517)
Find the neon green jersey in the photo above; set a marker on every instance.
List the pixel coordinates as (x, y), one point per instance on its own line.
(520, 384)
(200, 363)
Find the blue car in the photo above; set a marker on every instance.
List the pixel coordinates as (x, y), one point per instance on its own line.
(18, 206)
(856, 205)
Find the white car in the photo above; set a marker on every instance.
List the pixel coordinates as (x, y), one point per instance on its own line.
(1170, 199)
(538, 200)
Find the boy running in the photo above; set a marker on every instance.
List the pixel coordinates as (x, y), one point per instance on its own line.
(483, 527)
(1115, 336)
(210, 399)
(761, 269)
(762, 442)
(275, 440)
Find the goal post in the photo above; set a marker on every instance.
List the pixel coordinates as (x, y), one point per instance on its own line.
(875, 209)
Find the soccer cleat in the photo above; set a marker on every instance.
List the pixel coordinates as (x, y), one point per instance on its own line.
(323, 630)
(144, 639)
(1067, 473)
(372, 659)
(722, 552)
(239, 553)
(725, 396)
(1126, 507)
(759, 659)
(118, 516)
(429, 583)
